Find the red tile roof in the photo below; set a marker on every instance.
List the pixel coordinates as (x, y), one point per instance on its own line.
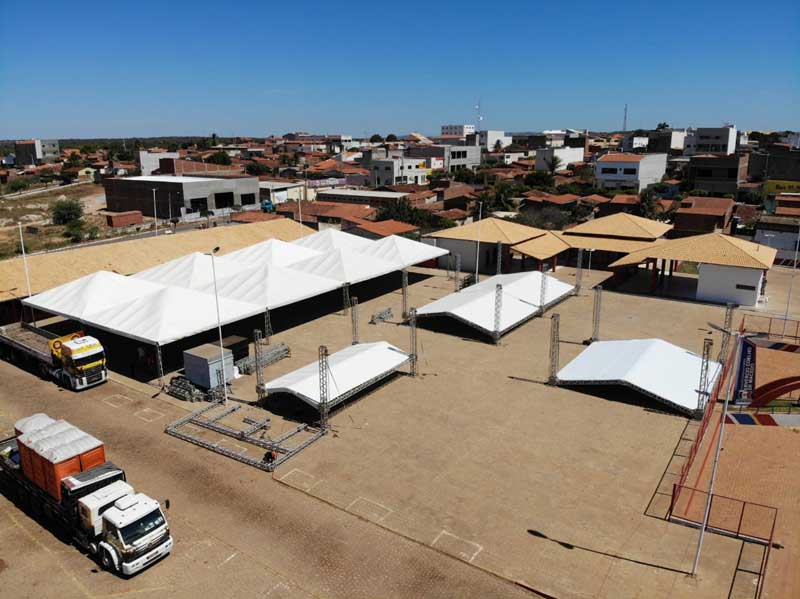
(621, 158)
(253, 216)
(566, 198)
(704, 205)
(452, 214)
(625, 199)
(595, 199)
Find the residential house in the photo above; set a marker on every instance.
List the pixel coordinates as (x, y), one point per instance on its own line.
(622, 202)
(565, 155)
(715, 140)
(637, 171)
(718, 174)
(383, 228)
(699, 215)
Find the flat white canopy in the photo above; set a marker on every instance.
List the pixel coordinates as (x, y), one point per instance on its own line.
(655, 367)
(521, 297)
(271, 286)
(350, 369)
(88, 295)
(402, 251)
(346, 266)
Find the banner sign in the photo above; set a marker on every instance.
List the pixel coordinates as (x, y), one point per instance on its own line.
(746, 376)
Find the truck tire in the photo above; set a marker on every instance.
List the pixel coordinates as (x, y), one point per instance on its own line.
(107, 561)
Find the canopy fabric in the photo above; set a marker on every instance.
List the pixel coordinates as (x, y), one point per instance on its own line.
(655, 367)
(90, 294)
(402, 251)
(712, 248)
(348, 369)
(331, 239)
(192, 271)
(346, 266)
(271, 286)
(521, 297)
(490, 230)
(272, 251)
(170, 314)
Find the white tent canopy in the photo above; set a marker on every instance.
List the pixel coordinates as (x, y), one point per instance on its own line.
(655, 367)
(346, 266)
(271, 286)
(402, 251)
(521, 297)
(332, 239)
(349, 370)
(272, 252)
(93, 293)
(192, 271)
(170, 314)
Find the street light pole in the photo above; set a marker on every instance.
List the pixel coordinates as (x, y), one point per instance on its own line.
(25, 264)
(478, 245)
(791, 281)
(219, 326)
(155, 211)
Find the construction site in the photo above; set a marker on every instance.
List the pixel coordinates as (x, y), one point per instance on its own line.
(331, 416)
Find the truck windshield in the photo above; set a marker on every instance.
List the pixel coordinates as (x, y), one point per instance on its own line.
(84, 360)
(143, 526)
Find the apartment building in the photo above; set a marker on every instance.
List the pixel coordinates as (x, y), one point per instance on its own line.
(716, 140)
(637, 171)
(460, 130)
(36, 151)
(718, 174)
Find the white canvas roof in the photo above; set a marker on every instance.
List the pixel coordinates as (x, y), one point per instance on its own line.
(192, 271)
(90, 294)
(345, 266)
(332, 239)
(32, 423)
(271, 286)
(474, 305)
(170, 314)
(271, 251)
(402, 251)
(652, 366)
(59, 441)
(348, 369)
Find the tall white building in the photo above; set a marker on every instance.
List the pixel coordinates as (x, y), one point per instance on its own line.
(460, 130)
(711, 140)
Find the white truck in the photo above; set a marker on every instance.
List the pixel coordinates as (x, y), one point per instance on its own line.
(96, 507)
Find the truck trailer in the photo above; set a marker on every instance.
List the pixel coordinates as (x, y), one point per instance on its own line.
(58, 472)
(76, 361)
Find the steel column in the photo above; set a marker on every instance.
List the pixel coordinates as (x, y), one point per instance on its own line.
(554, 349)
(345, 298)
(457, 273)
(702, 392)
(267, 326)
(412, 322)
(598, 298)
(543, 295)
(404, 274)
(499, 258)
(579, 272)
(323, 387)
(498, 308)
(726, 337)
(354, 318)
(160, 366)
(261, 387)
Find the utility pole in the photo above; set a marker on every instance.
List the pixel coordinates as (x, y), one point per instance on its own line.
(625, 120)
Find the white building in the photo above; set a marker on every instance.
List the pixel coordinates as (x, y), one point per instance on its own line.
(460, 130)
(488, 139)
(632, 142)
(149, 161)
(396, 170)
(793, 139)
(630, 170)
(544, 157)
(729, 284)
(711, 140)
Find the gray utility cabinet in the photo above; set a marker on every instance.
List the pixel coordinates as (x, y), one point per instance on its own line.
(202, 363)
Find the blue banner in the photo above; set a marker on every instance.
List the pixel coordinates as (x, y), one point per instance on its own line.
(746, 374)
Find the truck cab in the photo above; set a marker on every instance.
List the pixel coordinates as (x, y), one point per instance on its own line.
(135, 534)
(81, 360)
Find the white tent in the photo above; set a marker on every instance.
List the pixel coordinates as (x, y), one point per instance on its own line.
(271, 286)
(192, 271)
(271, 251)
(521, 297)
(659, 369)
(90, 294)
(332, 239)
(346, 266)
(171, 314)
(349, 370)
(402, 251)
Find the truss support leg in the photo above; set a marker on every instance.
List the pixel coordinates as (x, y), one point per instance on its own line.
(726, 337)
(579, 272)
(412, 324)
(323, 388)
(552, 377)
(499, 258)
(261, 387)
(404, 275)
(457, 273)
(267, 326)
(354, 318)
(702, 391)
(598, 298)
(345, 298)
(160, 363)
(543, 295)
(498, 308)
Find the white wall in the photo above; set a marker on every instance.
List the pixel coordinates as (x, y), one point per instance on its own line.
(567, 155)
(488, 253)
(719, 284)
(652, 169)
(149, 162)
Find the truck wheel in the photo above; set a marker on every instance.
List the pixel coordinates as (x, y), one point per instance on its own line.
(107, 561)
(66, 381)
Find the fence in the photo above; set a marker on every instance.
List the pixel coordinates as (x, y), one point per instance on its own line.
(753, 522)
(773, 326)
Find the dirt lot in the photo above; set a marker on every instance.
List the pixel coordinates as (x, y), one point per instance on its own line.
(440, 485)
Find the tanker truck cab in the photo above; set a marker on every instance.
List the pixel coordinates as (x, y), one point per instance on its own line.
(135, 534)
(81, 359)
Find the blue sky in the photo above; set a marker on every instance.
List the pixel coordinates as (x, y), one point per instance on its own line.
(190, 68)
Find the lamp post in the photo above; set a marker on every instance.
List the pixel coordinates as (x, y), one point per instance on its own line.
(791, 281)
(155, 211)
(478, 245)
(25, 264)
(219, 325)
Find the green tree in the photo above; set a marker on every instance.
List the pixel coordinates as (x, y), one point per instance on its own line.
(648, 204)
(498, 146)
(66, 210)
(662, 125)
(219, 158)
(74, 160)
(391, 137)
(375, 139)
(17, 184)
(403, 211)
(75, 230)
(213, 139)
(554, 164)
(539, 180)
(173, 147)
(256, 169)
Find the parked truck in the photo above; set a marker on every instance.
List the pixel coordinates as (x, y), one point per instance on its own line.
(76, 361)
(58, 472)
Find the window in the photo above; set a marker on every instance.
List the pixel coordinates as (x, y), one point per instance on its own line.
(629, 171)
(733, 173)
(223, 199)
(198, 204)
(248, 198)
(746, 287)
(704, 172)
(608, 170)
